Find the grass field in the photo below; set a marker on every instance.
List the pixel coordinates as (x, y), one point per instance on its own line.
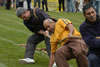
(13, 33)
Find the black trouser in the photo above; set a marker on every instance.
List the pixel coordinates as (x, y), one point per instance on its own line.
(28, 3)
(61, 2)
(8, 4)
(44, 2)
(94, 60)
(20, 4)
(32, 43)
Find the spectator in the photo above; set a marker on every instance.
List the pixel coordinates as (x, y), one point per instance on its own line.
(44, 2)
(77, 2)
(28, 4)
(90, 29)
(97, 5)
(13, 4)
(81, 5)
(92, 2)
(86, 1)
(70, 48)
(2, 2)
(21, 3)
(34, 22)
(17, 4)
(35, 2)
(70, 6)
(8, 4)
(61, 2)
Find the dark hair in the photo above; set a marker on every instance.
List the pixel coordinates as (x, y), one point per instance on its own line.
(54, 19)
(87, 6)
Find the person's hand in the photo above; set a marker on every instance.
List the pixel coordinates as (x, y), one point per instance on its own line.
(41, 32)
(46, 33)
(69, 35)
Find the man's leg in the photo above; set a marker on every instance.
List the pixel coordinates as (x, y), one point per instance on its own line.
(94, 60)
(31, 45)
(39, 3)
(48, 46)
(42, 5)
(28, 4)
(80, 53)
(35, 1)
(63, 5)
(8, 4)
(72, 5)
(68, 6)
(62, 54)
(59, 5)
(21, 4)
(17, 4)
(46, 5)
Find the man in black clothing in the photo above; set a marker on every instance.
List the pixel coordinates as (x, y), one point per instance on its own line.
(44, 2)
(61, 2)
(28, 4)
(90, 31)
(8, 4)
(33, 20)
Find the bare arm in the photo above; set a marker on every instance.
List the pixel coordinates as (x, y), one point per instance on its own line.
(70, 27)
(45, 33)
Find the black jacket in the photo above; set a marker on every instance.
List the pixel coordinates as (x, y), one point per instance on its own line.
(89, 33)
(35, 24)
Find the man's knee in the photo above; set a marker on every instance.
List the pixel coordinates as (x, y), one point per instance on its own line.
(58, 52)
(94, 61)
(81, 51)
(92, 57)
(78, 53)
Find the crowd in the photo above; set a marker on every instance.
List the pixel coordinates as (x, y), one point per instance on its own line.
(74, 5)
(20, 3)
(66, 5)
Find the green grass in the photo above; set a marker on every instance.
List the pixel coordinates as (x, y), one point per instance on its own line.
(13, 33)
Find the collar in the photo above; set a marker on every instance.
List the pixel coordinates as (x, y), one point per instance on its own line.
(97, 20)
